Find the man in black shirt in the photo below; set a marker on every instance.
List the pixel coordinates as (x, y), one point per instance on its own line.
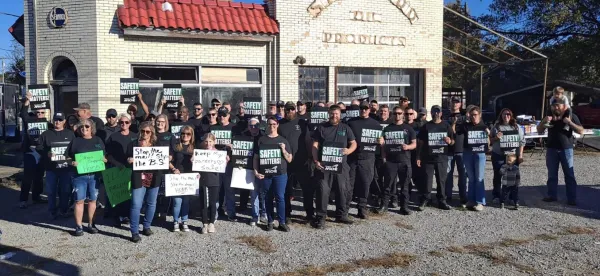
(111, 125)
(374, 108)
(362, 162)
(223, 132)
(434, 139)
(455, 153)
(421, 119)
(560, 150)
(302, 112)
(198, 120)
(417, 173)
(251, 132)
(332, 142)
(378, 182)
(84, 112)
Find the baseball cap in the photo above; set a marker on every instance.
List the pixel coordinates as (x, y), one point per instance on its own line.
(254, 119)
(558, 101)
(299, 103)
(455, 99)
(213, 101)
(112, 112)
(436, 107)
(422, 110)
(82, 106)
(290, 105)
(272, 102)
(223, 111)
(59, 116)
(280, 104)
(403, 99)
(364, 105)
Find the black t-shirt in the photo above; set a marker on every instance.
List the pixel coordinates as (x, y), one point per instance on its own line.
(116, 148)
(305, 116)
(340, 133)
(165, 139)
(271, 160)
(82, 145)
(434, 148)
(296, 133)
(223, 135)
(367, 132)
(242, 155)
(182, 159)
(98, 122)
(560, 136)
(395, 136)
(475, 136)
(56, 142)
(459, 138)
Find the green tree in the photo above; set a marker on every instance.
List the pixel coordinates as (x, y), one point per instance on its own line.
(15, 64)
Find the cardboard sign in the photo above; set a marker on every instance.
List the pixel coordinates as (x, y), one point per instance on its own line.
(242, 151)
(209, 161)
(117, 183)
(176, 129)
(352, 111)
(129, 90)
(150, 158)
(40, 96)
(222, 135)
(477, 139)
(270, 159)
(172, 93)
(395, 139)
(58, 149)
(182, 184)
(242, 179)
(510, 141)
(252, 107)
(90, 162)
(436, 143)
(332, 156)
(360, 93)
(369, 139)
(36, 127)
(318, 115)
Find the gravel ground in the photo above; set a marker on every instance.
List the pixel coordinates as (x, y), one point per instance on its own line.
(539, 238)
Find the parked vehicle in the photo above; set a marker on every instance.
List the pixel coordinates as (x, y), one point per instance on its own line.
(589, 114)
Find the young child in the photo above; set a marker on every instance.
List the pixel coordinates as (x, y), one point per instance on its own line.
(209, 190)
(511, 180)
(558, 93)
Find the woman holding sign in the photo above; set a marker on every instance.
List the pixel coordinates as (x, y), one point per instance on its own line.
(270, 167)
(506, 137)
(86, 154)
(182, 163)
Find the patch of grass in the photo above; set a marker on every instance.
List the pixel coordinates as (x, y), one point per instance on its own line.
(486, 251)
(514, 242)
(436, 253)
(217, 268)
(404, 225)
(456, 249)
(189, 264)
(388, 261)
(140, 255)
(546, 237)
(578, 230)
(261, 243)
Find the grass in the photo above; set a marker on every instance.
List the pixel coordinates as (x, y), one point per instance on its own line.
(261, 243)
(189, 264)
(140, 255)
(456, 249)
(514, 242)
(546, 237)
(578, 230)
(404, 225)
(217, 268)
(436, 253)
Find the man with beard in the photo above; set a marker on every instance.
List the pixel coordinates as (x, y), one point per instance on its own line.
(198, 120)
(111, 125)
(374, 108)
(301, 111)
(421, 119)
(455, 153)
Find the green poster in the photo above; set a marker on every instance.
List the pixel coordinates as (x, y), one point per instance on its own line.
(117, 183)
(90, 162)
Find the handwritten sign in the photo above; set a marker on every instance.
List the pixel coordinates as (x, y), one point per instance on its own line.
(58, 150)
(40, 96)
(117, 183)
(172, 93)
(182, 184)
(90, 162)
(150, 158)
(242, 179)
(129, 90)
(209, 161)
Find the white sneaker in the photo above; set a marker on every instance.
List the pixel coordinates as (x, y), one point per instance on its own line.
(211, 228)
(252, 223)
(185, 227)
(176, 227)
(479, 208)
(263, 219)
(204, 229)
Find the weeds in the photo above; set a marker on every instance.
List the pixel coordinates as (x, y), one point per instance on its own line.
(436, 253)
(261, 243)
(403, 225)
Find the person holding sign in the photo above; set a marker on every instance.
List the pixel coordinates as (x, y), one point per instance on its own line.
(53, 146)
(242, 155)
(506, 138)
(164, 138)
(86, 154)
(476, 143)
(209, 190)
(182, 163)
(332, 142)
(271, 158)
(223, 133)
(432, 146)
(144, 184)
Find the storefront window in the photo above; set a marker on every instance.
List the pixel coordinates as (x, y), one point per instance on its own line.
(384, 85)
(230, 75)
(312, 84)
(168, 74)
(233, 95)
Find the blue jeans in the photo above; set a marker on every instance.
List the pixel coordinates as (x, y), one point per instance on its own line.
(58, 183)
(181, 207)
(138, 197)
(475, 165)
(257, 200)
(457, 159)
(274, 186)
(85, 186)
(565, 158)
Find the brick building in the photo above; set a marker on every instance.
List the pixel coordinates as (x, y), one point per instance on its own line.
(283, 50)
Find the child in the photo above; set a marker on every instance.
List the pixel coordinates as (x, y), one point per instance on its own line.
(511, 180)
(559, 94)
(209, 190)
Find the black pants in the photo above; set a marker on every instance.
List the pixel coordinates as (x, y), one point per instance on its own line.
(328, 181)
(402, 172)
(377, 186)
(510, 193)
(33, 179)
(359, 181)
(299, 176)
(244, 198)
(439, 170)
(208, 203)
(418, 177)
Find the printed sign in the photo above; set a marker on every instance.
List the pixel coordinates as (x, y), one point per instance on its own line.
(477, 139)
(90, 162)
(176, 129)
(318, 115)
(360, 93)
(58, 150)
(182, 184)
(353, 111)
(36, 128)
(242, 151)
(209, 161)
(436, 143)
(395, 139)
(242, 179)
(369, 139)
(332, 156)
(40, 96)
(172, 93)
(270, 159)
(252, 107)
(117, 183)
(150, 158)
(510, 141)
(222, 135)
(129, 90)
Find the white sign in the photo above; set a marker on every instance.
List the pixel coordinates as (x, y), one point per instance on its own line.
(242, 179)
(209, 161)
(182, 184)
(150, 158)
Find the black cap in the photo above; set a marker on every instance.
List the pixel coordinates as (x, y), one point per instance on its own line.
(272, 102)
(223, 111)
(423, 110)
(403, 99)
(299, 103)
(455, 99)
(436, 107)
(290, 105)
(280, 104)
(213, 101)
(59, 116)
(364, 105)
(112, 112)
(558, 101)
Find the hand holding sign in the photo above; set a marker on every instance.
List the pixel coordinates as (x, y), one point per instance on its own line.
(150, 158)
(89, 162)
(209, 161)
(447, 140)
(117, 183)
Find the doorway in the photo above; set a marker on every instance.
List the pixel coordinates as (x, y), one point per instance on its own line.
(64, 85)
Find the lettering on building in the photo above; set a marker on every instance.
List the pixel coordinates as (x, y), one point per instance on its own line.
(318, 6)
(364, 39)
(365, 16)
(406, 9)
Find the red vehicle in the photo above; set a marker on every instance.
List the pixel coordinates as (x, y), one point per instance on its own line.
(589, 114)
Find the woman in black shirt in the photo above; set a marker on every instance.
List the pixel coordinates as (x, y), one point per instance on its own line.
(182, 163)
(164, 138)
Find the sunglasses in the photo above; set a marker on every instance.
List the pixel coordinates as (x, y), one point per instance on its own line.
(146, 131)
(186, 134)
(59, 120)
(40, 113)
(212, 114)
(124, 122)
(111, 116)
(198, 108)
(252, 126)
(84, 126)
(410, 114)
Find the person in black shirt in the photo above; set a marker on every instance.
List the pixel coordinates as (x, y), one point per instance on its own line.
(400, 139)
(417, 172)
(111, 125)
(164, 138)
(455, 153)
(332, 142)
(362, 161)
(433, 141)
(209, 189)
(560, 150)
(377, 183)
(240, 118)
(258, 202)
(182, 163)
(374, 109)
(198, 121)
(302, 113)
(421, 119)
(223, 133)
(52, 148)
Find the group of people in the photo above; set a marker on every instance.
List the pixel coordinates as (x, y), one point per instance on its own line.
(381, 154)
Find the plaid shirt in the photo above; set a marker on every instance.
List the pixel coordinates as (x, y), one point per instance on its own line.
(510, 175)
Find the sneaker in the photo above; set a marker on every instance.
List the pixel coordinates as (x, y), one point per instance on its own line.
(404, 212)
(211, 228)
(319, 223)
(176, 227)
(284, 228)
(269, 227)
(263, 218)
(382, 210)
(549, 199)
(205, 229)
(78, 231)
(423, 205)
(478, 207)
(136, 238)
(23, 205)
(252, 223)
(394, 204)
(125, 220)
(362, 214)
(501, 205)
(99, 205)
(516, 206)
(344, 220)
(232, 219)
(444, 206)
(147, 232)
(309, 218)
(92, 229)
(463, 204)
(185, 227)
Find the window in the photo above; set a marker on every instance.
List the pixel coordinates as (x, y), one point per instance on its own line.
(384, 85)
(233, 95)
(166, 74)
(230, 75)
(312, 84)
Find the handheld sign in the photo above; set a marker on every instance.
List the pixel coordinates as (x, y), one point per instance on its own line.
(58, 150)
(209, 161)
(242, 179)
(252, 107)
(182, 184)
(40, 96)
(394, 140)
(360, 93)
(242, 151)
(36, 127)
(129, 90)
(352, 111)
(332, 156)
(176, 129)
(222, 135)
(318, 115)
(436, 143)
(90, 162)
(117, 183)
(172, 93)
(369, 139)
(150, 158)
(510, 141)
(270, 159)
(477, 139)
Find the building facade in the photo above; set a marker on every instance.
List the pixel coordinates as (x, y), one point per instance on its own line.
(317, 50)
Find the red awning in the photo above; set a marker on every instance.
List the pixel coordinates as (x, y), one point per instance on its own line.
(198, 15)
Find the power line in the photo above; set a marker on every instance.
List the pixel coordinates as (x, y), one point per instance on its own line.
(9, 14)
